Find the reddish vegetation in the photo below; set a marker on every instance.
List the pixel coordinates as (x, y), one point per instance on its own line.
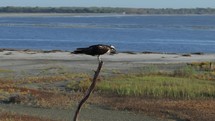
(188, 110)
(14, 117)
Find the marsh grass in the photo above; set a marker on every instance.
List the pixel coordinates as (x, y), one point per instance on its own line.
(80, 86)
(186, 82)
(158, 86)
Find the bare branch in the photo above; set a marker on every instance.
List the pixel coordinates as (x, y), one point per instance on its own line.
(89, 91)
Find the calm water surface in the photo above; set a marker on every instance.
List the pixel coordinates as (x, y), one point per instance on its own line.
(180, 34)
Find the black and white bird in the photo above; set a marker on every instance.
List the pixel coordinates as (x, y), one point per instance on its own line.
(96, 50)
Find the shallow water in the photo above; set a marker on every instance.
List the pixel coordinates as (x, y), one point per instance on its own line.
(178, 34)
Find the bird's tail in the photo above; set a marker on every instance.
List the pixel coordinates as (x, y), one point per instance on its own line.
(79, 51)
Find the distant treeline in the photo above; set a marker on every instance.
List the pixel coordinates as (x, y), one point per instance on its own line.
(106, 10)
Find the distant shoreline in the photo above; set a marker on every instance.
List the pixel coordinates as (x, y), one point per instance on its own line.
(57, 14)
(90, 14)
(121, 10)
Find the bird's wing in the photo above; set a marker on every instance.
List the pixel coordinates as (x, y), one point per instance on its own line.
(93, 50)
(102, 49)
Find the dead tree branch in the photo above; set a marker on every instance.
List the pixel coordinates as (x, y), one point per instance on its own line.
(89, 91)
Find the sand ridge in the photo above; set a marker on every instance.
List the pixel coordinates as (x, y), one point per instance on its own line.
(120, 57)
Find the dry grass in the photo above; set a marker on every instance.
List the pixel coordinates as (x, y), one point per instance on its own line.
(12, 93)
(61, 101)
(40, 98)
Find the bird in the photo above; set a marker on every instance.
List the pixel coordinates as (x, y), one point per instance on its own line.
(96, 50)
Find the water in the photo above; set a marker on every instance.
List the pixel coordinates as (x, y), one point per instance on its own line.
(173, 34)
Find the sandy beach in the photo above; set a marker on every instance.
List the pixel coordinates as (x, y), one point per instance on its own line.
(22, 60)
(120, 57)
(140, 58)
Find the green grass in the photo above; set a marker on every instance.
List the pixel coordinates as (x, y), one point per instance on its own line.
(158, 86)
(186, 82)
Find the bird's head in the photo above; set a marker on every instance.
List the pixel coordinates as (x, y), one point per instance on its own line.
(112, 49)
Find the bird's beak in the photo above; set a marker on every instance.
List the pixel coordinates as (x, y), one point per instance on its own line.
(113, 51)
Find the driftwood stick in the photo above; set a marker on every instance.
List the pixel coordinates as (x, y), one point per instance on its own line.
(89, 91)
